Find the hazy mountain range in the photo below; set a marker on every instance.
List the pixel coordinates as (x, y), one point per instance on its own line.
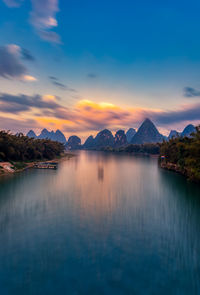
(45, 134)
(147, 133)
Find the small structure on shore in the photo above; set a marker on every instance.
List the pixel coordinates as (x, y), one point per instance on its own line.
(46, 165)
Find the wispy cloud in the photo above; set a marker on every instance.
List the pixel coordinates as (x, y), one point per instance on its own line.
(26, 55)
(185, 113)
(88, 116)
(20, 103)
(191, 92)
(92, 75)
(43, 19)
(11, 66)
(18, 125)
(13, 3)
(62, 86)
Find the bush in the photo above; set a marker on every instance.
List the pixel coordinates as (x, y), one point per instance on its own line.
(185, 152)
(22, 148)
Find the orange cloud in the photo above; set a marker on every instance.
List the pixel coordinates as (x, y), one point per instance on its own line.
(28, 78)
(86, 117)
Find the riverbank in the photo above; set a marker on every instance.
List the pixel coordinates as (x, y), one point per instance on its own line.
(182, 155)
(7, 168)
(188, 173)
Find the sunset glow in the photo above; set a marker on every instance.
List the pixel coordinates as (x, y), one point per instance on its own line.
(81, 79)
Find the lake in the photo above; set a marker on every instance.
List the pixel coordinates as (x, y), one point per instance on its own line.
(100, 224)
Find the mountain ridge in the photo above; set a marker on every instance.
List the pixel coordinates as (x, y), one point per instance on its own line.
(45, 134)
(147, 133)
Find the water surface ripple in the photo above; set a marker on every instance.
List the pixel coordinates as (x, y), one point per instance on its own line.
(100, 224)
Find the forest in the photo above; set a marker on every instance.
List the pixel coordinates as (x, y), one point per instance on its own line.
(182, 154)
(21, 148)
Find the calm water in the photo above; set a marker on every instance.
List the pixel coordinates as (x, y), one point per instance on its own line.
(100, 224)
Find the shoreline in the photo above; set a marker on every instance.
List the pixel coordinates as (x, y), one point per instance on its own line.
(187, 173)
(10, 168)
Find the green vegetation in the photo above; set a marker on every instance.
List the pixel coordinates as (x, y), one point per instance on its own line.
(20, 148)
(182, 154)
(19, 165)
(147, 148)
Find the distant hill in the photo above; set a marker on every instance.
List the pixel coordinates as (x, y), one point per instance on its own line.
(173, 134)
(89, 143)
(74, 143)
(129, 134)
(120, 138)
(188, 130)
(147, 133)
(31, 134)
(59, 136)
(104, 138)
(45, 134)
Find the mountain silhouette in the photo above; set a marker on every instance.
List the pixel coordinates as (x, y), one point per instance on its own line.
(188, 130)
(31, 134)
(45, 134)
(89, 143)
(74, 143)
(120, 138)
(129, 134)
(104, 138)
(147, 133)
(173, 134)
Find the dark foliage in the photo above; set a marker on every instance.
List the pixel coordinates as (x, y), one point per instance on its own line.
(22, 148)
(184, 153)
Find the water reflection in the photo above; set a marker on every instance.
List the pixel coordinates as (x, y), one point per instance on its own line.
(100, 224)
(100, 173)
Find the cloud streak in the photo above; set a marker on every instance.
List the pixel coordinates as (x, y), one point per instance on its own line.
(92, 75)
(60, 85)
(87, 116)
(26, 55)
(187, 113)
(18, 125)
(11, 66)
(43, 19)
(20, 103)
(191, 92)
(13, 3)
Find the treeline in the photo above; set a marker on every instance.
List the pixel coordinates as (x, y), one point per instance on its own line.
(22, 148)
(147, 148)
(183, 155)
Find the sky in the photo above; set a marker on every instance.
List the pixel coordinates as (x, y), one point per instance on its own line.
(82, 66)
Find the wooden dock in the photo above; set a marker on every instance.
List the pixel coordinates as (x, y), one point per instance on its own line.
(46, 165)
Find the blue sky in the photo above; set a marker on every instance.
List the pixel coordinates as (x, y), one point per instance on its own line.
(138, 56)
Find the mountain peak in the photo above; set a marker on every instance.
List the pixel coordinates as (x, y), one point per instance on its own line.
(31, 134)
(104, 138)
(147, 133)
(74, 142)
(120, 138)
(147, 120)
(173, 134)
(89, 143)
(55, 136)
(188, 130)
(129, 134)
